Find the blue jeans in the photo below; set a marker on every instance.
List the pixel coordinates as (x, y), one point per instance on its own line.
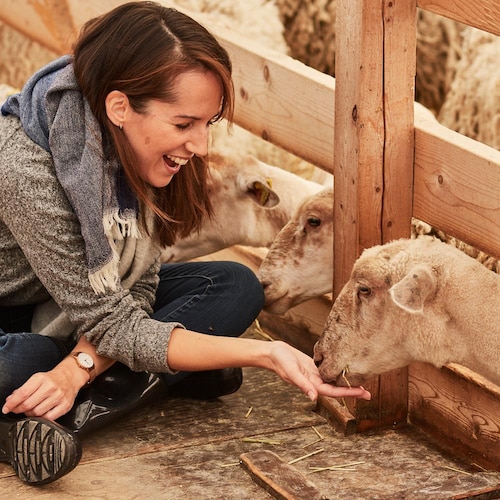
(216, 298)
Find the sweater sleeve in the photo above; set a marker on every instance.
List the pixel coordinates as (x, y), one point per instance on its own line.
(42, 224)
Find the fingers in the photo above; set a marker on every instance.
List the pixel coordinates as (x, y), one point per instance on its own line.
(298, 368)
(38, 397)
(18, 401)
(343, 392)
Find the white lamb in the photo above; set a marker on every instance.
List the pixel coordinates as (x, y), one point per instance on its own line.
(299, 263)
(412, 300)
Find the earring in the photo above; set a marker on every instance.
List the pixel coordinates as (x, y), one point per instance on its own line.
(121, 126)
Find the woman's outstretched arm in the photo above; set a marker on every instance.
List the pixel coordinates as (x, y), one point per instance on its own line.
(191, 351)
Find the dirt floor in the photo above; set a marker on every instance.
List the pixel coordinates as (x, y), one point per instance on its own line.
(184, 449)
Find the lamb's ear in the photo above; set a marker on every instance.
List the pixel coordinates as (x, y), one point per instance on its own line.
(252, 181)
(259, 188)
(412, 291)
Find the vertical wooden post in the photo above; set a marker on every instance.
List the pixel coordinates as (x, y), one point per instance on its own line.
(373, 159)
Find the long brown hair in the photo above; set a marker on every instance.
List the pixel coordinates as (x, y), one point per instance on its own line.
(139, 48)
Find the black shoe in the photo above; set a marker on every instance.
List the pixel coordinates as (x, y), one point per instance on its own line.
(39, 450)
(113, 394)
(208, 384)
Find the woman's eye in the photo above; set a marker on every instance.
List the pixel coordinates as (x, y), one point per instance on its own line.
(183, 126)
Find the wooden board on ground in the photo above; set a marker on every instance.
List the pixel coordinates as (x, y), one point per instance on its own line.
(278, 477)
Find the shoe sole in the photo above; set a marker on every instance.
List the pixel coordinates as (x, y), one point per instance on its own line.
(42, 451)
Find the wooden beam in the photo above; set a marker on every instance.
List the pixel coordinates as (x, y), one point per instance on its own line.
(400, 49)
(373, 163)
(359, 133)
(482, 14)
(459, 409)
(457, 185)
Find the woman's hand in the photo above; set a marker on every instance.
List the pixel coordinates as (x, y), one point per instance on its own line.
(52, 394)
(47, 394)
(297, 368)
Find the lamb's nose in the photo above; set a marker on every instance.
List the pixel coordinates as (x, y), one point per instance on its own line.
(318, 359)
(317, 355)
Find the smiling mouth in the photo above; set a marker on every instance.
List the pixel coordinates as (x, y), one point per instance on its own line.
(177, 160)
(174, 163)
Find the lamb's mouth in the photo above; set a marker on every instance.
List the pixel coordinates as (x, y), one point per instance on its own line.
(349, 379)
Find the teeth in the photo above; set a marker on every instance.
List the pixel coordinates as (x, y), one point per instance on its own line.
(179, 161)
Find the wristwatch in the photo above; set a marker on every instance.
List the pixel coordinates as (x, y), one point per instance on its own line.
(85, 361)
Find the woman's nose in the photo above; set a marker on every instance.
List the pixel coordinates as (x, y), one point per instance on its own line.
(198, 142)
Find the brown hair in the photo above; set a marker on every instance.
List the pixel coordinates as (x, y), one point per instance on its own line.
(139, 48)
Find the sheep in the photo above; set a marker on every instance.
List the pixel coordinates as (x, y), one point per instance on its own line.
(472, 105)
(252, 201)
(299, 263)
(412, 300)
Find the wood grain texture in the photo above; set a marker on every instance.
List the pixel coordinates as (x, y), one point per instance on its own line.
(482, 14)
(280, 479)
(459, 409)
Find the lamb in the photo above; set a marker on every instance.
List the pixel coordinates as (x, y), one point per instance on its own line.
(252, 201)
(412, 300)
(299, 263)
(472, 105)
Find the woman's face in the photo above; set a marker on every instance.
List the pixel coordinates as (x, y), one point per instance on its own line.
(166, 136)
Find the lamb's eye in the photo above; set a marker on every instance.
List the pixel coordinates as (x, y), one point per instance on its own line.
(314, 221)
(364, 291)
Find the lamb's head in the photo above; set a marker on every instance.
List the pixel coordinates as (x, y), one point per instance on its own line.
(373, 324)
(299, 264)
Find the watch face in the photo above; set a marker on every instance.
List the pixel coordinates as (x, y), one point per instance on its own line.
(85, 360)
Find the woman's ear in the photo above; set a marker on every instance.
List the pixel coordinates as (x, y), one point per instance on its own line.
(117, 104)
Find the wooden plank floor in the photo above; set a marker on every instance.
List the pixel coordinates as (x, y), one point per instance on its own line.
(183, 449)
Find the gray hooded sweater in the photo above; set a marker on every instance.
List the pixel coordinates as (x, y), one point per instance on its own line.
(43, 262)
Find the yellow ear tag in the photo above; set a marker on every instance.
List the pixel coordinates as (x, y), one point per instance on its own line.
(261, 193)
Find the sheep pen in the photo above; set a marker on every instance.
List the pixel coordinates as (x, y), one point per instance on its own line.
(457, 73)
(387, 388)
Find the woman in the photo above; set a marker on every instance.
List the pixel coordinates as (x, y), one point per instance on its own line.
(102, 163)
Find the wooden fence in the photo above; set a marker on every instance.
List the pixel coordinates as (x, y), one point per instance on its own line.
(390, 162)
